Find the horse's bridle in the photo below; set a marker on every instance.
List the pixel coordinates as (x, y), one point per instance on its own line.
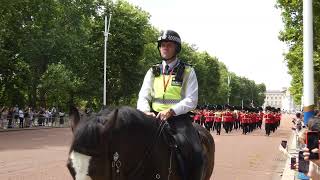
(116, 163)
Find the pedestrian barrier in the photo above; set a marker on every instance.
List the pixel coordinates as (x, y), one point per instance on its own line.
(37, 122)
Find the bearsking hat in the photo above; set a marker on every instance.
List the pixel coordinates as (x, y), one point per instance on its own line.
(232, 108)
(273, 109)
(245, 108)
(251, 109)
(227, 106)
(212, 107)
(237, 108)
(219, 107)
(268, 108)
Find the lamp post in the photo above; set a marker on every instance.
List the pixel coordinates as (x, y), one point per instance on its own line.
(308, 76)
(106, 35)
(229, 80)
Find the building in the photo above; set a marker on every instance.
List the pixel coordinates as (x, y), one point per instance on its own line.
(280, 99)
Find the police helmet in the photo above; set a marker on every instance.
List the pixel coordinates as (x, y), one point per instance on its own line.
(171, 36)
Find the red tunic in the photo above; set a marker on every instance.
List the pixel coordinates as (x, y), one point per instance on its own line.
(197, 116)
(277, 117)
(268, 118)
(217, 117)
(246, 118)
(208, 116)
(227, 117)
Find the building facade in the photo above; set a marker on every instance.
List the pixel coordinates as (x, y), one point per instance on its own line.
(280, 99)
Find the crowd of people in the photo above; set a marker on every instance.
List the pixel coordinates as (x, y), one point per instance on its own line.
(300, 161)
(215, 117)
(18, 117)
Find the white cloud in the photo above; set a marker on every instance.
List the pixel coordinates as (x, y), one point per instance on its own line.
(242, 34)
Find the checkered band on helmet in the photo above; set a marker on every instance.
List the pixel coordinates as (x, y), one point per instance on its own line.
(171, 36)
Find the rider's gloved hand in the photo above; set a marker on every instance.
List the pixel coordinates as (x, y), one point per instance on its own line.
(150, 114)
(165, 114)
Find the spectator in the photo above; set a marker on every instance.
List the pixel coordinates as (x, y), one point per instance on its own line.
(15, 115)
(298, 122)
(61, 117)
(41, 117)
(1, 109)
(10, 117)
(31, 116)
(21, 118)
(314, 172)
(53, 115)
(26, 117)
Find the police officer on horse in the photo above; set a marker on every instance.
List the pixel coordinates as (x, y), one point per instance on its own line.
(169, 91)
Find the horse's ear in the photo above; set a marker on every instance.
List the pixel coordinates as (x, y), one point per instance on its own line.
(74, 117)
(111, 119)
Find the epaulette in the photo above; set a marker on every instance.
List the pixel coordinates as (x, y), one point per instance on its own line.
(156, 70)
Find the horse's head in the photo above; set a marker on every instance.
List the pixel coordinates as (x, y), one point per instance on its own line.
(114, 144)
(88, 155)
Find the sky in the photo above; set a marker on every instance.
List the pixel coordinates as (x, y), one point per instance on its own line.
(241, 34)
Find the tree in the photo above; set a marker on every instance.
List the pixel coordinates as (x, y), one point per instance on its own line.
(292, 34)
(58, 85)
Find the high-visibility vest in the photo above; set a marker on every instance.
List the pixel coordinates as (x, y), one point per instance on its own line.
(165, 98)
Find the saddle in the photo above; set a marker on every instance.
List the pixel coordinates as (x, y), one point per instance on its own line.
(182, 148)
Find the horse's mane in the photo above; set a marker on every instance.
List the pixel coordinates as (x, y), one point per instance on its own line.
(126, 116)
(87, 137)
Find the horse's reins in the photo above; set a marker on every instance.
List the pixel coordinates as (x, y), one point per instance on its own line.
(116, 163)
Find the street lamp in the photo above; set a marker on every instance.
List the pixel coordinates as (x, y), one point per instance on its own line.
(229, 80)
(106, 35)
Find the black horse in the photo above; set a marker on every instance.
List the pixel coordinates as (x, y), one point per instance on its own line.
(125, 144)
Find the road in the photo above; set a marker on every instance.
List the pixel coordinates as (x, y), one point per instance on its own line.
(41, 154)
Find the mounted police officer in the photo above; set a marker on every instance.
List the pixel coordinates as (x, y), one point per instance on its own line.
(169, 91)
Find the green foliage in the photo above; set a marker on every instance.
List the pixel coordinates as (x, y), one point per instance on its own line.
(293, 35)
(58, 85)
(51, 53)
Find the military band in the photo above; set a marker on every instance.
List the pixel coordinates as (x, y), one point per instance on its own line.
(248, 119)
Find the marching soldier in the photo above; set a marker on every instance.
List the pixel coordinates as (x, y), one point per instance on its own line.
(227, 119)
(208, 119)
(218, 119)
(260, 116)
(268, 120)
(245, 119)
(197, 116)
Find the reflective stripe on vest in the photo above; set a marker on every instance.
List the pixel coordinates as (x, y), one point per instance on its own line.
(165, 100)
